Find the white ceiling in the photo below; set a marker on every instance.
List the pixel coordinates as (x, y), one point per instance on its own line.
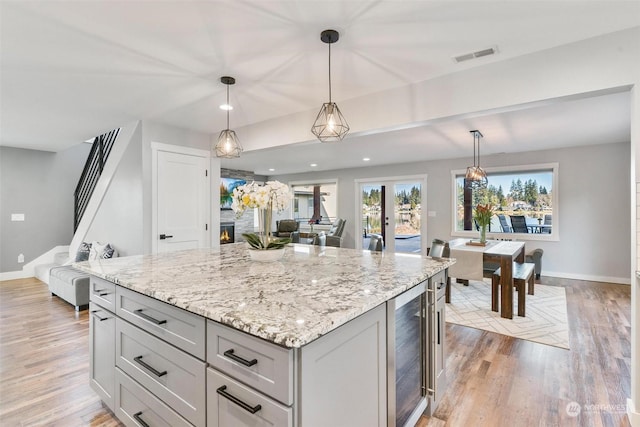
(70, 70)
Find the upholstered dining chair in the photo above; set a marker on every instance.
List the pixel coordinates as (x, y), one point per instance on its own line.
(376, 243)
(439, 249)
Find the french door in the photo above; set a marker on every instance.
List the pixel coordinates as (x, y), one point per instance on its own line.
(393, 208)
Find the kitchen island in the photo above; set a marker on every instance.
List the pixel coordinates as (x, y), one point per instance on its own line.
(203, 335)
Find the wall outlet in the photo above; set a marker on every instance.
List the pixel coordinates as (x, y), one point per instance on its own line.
(17, 217)
(21, 258)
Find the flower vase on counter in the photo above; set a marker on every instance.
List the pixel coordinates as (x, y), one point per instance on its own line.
(263, 247)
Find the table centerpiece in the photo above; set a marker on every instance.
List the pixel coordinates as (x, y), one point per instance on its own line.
(483, 216)
(272, 195)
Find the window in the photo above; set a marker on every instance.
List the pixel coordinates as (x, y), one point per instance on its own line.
(524, 201)
(317, 202)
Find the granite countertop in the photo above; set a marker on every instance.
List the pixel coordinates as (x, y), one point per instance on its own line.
(291, 302)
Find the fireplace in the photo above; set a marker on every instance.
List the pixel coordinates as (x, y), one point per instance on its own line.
(227, 232)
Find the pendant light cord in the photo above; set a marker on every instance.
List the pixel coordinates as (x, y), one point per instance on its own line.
(329, 72)
(228, 106)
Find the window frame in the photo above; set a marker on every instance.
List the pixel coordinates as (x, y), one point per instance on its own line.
(554, 236)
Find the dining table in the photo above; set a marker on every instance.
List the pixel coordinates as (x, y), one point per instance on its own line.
(470, 257)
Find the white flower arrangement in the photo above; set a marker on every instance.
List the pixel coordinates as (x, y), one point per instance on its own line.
(272, 195)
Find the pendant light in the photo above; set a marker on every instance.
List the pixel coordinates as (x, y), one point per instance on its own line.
(476, 176)
(330, 125)
(228, 145)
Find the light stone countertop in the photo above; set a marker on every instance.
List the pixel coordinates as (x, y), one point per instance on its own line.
(309, 292)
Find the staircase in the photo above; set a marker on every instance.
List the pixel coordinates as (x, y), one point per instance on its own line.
(92, 170)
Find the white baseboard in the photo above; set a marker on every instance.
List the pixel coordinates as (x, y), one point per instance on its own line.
(12, 275)
(588, 277)
(634, 416)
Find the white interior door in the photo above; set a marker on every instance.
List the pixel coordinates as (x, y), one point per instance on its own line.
(182, 201)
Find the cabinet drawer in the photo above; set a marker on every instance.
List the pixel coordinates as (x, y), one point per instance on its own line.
(179, 327)
(264, 366)
(103, 292)
(135, 404)
(232, 404)
(174, 376)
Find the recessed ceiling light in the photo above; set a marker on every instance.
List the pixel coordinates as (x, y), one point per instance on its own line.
(226, 107)
(271, 169)
(365, 159)
(313, 165)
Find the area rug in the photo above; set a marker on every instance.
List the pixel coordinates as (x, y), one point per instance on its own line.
(546, 313)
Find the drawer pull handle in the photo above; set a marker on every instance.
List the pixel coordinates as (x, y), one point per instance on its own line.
(149, 368)
(253, 409)
(149, 318)
(230, 354)
(139, 419)
(98, 317)
(101, 292)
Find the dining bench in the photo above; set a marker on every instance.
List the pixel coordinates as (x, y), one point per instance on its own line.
(523, 273)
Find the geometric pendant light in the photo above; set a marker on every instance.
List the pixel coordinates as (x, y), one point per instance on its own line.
(476, 176)
(228, 145)
(330, 125)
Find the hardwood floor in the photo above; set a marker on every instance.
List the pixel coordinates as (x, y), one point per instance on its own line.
(494, 380)
(44, 360)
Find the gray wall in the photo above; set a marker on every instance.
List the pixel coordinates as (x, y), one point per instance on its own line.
(39, 184)
(594, 205)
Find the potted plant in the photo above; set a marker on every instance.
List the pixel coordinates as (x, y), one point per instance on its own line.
(272, 195)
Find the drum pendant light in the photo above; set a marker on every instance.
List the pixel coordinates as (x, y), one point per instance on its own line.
(476, 176)
(330, 124)
(228, 145)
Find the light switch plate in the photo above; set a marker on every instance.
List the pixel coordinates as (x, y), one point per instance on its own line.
(17, 217)
(432, 213)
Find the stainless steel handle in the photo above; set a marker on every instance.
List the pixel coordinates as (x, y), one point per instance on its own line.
(432, 351)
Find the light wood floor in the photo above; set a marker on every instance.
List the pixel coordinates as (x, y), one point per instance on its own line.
(494, 380)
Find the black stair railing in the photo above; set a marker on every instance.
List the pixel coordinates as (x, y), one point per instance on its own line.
(92, 170)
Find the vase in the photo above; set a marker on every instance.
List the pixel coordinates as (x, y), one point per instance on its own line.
(483, 234)
(266, 255)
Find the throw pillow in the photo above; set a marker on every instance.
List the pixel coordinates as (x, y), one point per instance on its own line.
(109, 252)
(100, 251)
(83, 252)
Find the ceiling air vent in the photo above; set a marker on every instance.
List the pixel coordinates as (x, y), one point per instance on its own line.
(477, 54)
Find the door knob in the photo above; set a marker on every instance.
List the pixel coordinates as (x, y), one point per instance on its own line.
(165, 236)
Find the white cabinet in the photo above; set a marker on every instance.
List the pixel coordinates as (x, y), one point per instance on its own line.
(102, 333)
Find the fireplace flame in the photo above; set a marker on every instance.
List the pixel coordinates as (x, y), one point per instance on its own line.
(224, 236)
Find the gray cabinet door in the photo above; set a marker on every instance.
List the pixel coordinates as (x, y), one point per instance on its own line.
(102, 336)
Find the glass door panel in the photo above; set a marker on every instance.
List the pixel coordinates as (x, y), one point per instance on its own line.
(393, 209)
